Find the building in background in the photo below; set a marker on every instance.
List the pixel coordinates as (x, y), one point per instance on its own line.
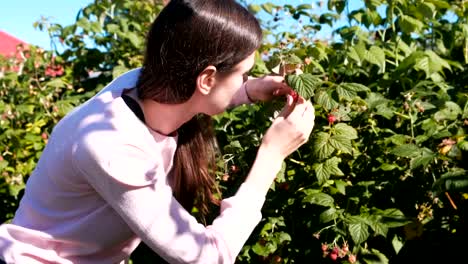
(9, 47)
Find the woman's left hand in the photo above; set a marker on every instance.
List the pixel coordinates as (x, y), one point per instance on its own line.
(266, 88)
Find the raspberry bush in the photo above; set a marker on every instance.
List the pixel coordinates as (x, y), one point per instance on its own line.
(383, 176)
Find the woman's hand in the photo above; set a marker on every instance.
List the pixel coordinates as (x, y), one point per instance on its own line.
(290, 130)
(266, 88)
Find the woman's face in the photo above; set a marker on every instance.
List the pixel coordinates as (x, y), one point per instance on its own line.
(227, 85)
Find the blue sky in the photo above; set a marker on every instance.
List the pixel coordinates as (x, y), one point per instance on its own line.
(17, 16)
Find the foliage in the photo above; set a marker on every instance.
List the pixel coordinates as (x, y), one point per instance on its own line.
(384, 169)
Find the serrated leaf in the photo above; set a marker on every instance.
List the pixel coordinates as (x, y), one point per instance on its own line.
(341, 186)
(407, 151)
(359, 232)
(328, 215)
(326, 169)
(463, 145)
(423, 160)
(410, 24)
(341, 143)
(305, 84)
(379, 228)
(342, 129)
(376, 56)
(450, 112)
(283, 236)
(291, 59)
(322, 199)
(56, 83)
(325, 100)
(322, 149)
(349, 91)
(134, 39)
(376, 99)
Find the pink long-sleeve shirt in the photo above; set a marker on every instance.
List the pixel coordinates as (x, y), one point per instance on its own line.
(100, 187)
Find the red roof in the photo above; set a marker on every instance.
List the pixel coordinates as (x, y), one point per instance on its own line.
(8, 44)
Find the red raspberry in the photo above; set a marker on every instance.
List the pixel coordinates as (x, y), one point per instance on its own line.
(352, 258)
(333, 256)
(234, 168)
(294, 95)
(331, 119)
(345, 248)
(324, 247)
(44, 136)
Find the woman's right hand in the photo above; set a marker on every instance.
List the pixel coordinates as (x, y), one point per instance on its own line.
(290, 130)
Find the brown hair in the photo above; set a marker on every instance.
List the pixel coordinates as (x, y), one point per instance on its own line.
(187, 37)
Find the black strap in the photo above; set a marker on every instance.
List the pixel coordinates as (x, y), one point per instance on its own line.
(134, 106)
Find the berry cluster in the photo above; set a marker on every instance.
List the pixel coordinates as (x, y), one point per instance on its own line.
(337, 254)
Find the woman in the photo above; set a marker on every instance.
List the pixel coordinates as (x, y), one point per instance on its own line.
(129, 164)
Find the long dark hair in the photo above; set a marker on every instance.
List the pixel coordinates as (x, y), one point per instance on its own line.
(186, 37)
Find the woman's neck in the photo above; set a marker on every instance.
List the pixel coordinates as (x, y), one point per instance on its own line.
(164, 118)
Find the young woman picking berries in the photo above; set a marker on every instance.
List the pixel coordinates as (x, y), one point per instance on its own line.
(129, 164)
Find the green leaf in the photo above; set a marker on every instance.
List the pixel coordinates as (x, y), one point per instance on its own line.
(463, 145)
(322, 149)
(410, 24)
(342, 129)
(424, 159)
(450, 112)
(327, 169)
(341, 186)
(359, 232)
(322, 199)
(427, 9)
(119, 70)
(341, 143)
(56, 83)
(112, 28)
(408, 150)
(254, 8)
(379, 228)
(291, 58)
(264, 250)
(376, 99)
(305, 84)
(134, 39)
(397, 244)
(3, 164)
(283, 237)
(268, 7)
(349, 91)
(304, 6)
(329, 215)
(376, 56)
(325, 100)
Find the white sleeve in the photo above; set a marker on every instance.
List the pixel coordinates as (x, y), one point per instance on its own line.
(122, 175)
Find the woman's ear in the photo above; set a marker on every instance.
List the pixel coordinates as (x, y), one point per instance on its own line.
(206, 80)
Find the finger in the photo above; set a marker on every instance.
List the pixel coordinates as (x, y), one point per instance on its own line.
(288, 108)
(282, 91)
(297, 114)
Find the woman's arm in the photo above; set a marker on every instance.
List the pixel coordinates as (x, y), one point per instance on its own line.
(154, 214)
